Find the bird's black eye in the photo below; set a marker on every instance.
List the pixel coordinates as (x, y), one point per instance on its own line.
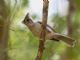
(39, 22)
(27, 19)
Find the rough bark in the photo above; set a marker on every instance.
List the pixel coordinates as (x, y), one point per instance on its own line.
(42, 36)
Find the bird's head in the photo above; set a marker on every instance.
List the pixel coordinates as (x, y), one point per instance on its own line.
(27, 20)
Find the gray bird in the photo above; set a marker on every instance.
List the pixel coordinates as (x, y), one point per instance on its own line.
(35, 28)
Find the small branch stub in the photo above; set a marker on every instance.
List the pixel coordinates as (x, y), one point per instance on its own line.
(43, 30)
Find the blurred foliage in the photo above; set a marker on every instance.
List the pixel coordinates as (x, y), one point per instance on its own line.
(77, 4)
(60, 23)
(23, 45)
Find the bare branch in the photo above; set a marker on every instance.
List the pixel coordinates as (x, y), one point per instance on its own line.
(43, 30)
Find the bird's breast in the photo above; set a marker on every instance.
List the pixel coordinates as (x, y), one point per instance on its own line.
(36, 29)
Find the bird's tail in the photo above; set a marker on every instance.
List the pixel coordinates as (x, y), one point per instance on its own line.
(65, 39)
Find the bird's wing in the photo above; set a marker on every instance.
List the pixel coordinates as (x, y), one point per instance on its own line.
(49, 28)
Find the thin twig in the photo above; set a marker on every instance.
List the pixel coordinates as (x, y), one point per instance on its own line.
(43, 30)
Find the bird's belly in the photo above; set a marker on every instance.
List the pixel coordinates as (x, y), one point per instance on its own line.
(38, 31)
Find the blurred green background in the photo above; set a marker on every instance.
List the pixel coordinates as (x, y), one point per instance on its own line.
(18, 43)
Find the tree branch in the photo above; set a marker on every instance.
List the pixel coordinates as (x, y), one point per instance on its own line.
(43, 30)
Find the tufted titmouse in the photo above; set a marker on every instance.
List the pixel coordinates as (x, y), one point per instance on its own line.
(35, 28)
